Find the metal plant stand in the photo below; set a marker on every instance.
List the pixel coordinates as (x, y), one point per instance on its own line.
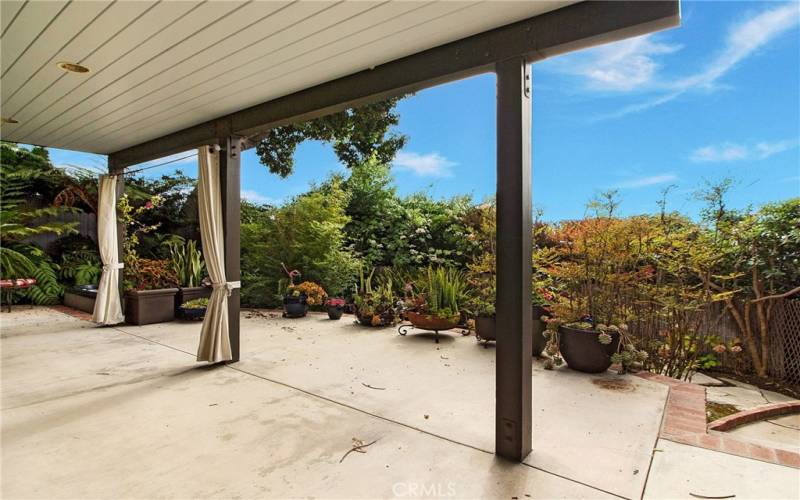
(405, 328)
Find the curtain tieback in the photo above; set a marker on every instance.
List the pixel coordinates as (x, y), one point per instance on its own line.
(228, 285)
(111, 267)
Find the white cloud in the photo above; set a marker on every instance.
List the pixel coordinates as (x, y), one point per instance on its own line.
(622, 66)
(424, 165)
(742, 41)
(730, 151)
(255, 197)
(652, 180)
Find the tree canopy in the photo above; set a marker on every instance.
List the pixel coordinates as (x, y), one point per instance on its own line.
(356, 134)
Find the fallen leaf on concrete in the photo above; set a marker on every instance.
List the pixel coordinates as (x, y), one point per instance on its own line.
(357, 446)
(372, 387)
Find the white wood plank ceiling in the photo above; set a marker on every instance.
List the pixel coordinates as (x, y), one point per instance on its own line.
(159, 67)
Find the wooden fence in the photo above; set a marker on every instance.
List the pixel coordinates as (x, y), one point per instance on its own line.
(784, 350)
(87, 226)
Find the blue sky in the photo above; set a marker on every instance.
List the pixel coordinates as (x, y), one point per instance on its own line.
(718, 97)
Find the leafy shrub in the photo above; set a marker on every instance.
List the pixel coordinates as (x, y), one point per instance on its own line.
(200, 303)
(150, 274)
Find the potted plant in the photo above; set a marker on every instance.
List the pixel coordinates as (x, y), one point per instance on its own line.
(436, 305)
(194, 309)
(299, 297)
(335, 307)
(540, 300)
(188, 265)
(375, 306)
(151, 299)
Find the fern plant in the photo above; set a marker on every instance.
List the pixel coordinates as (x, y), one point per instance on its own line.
(47, 290)
(20, 172)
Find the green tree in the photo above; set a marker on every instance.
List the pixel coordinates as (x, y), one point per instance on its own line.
(748, 260)
(374, 210)
(305, 234)
(356, 134)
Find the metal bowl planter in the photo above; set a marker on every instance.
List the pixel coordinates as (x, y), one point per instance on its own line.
(583, 352)
(294, 306)
(429, 322)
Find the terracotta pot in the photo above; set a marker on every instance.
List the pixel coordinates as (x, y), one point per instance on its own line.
(583, 352)
(144, 307)
(431, 322)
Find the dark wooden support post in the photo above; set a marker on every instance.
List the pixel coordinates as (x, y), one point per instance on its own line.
(229, 172)
(514, 213)
(113, 169)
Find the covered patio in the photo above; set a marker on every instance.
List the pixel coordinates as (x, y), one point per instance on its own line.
(124, 412)
(164, 78)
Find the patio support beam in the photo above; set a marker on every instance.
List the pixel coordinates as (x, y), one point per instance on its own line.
(230, 175)
(513, 420)
(576, 26)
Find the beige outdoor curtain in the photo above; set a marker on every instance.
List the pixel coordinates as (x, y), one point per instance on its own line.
(215, 343)
(108, 305)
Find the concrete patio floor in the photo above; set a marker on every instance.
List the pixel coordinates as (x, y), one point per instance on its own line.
(126, 412)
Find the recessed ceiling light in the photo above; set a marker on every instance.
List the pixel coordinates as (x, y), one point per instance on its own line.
(8, 119)
(72, 67)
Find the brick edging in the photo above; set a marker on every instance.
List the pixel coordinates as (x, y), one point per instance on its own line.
(72, 312)
(761, 412)
(685, 422)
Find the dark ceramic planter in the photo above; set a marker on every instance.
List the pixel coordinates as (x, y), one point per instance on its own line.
(294, 307)
(583, 352)
(145, 307)
(193, 313)
(485, 328)
(335, 312)
(185, 294)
